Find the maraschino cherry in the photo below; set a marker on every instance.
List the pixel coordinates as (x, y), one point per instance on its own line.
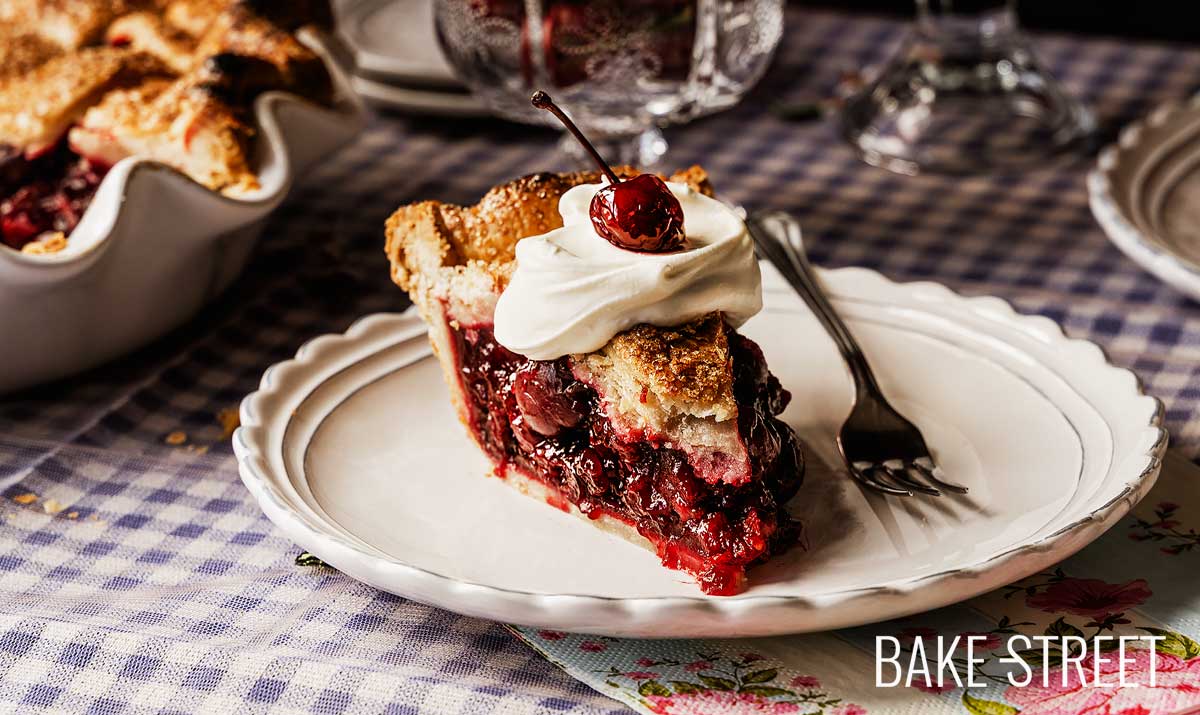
(639, 214)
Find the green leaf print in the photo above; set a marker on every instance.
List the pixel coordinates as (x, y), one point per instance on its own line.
(765, 691)
(716, 683)
(1061, 628)
(979, 706)
(761, 676)
(685, 688)
(653, 687)
(307, 559)
(1175, 644)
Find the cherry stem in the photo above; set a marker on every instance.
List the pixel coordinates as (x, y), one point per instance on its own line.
(541, 100)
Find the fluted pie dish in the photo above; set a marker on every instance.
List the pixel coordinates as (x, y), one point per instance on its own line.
(141, 145)
(86, 84)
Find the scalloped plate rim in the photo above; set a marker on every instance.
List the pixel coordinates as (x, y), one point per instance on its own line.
(252, 461)
(1152, 254)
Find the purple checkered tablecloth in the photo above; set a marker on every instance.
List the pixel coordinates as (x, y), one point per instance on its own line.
(136, 575)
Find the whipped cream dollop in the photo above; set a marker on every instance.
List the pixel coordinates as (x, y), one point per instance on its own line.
(572, 291)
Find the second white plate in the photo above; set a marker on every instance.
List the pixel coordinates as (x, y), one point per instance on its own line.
(353, 450)
(395, 41)
(1145, 194)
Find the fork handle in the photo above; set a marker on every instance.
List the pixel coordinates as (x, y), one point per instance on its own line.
(792, 263)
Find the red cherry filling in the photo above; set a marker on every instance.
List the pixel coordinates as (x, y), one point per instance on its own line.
(547, 403)
(536, 417)
(639, 214)
(48, 192)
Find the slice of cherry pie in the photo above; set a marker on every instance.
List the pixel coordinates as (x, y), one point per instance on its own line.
(667, 436)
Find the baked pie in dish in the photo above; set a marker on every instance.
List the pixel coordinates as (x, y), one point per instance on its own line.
(87, 83)
(611, 382)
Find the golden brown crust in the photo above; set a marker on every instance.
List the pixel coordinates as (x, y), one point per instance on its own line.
(173, 82)
(688, 364)
(193, 16)
(68, 23)
(174, 124)
(148, 32)
(38, 106)
(22, 52)
(238, 30)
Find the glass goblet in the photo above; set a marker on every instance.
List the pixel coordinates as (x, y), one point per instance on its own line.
(621, 68)
(964, 95)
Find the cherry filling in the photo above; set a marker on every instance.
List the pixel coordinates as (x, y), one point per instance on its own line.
(538, 417)
(44, 193)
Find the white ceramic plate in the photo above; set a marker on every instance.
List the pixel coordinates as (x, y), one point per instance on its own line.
(394, 41)
(1145, 193)
(353, 450)
(154, 246)
(412, 100)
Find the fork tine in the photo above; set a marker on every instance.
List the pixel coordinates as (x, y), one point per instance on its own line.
(865, 479)
(900, 476)
(880, 474)
(927, 473)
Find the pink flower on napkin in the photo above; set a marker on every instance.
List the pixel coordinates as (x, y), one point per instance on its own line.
(1177, 688)
(849, 709)
(592, 647)
(552, 635)
(641, 675)
(646, 662)
(806, 681)
(697, 666)
(1090, 597)
(717, 702)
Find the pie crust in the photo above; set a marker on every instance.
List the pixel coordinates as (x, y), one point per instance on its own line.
(86, 83)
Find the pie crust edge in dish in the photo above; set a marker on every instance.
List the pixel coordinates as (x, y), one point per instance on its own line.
(171, 81)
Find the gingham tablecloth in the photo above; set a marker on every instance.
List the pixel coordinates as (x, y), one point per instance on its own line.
(136, 575)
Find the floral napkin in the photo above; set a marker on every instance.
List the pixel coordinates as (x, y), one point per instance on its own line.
(1140, 578)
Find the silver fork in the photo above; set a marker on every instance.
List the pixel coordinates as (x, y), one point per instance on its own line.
(882, 449)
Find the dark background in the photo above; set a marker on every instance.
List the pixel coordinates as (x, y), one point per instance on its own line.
(1177, 21)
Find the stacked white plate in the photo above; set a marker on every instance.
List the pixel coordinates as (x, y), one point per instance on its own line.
(398, 64)
(1145, 192)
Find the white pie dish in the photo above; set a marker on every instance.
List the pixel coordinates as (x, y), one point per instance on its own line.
(353, 450)
(1145, 193)
(155, 246)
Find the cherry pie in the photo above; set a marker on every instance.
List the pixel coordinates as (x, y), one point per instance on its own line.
(666, 436)
(86, 83)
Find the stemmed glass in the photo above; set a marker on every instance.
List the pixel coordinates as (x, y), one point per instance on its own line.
(965, 94)
(621, 68)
